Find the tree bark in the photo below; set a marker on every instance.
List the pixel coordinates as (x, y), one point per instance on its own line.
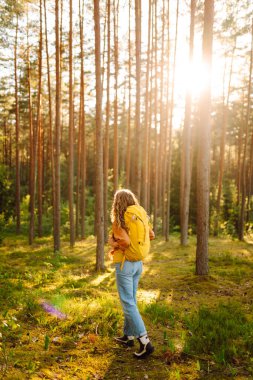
(244, 179)
(161, 157)
(40, 130)
(57, 205)
(17, 183)
(138, 100)
(169, 159)
(156, 125)
(222, 148)
(185, 185)
(83, 135)
(128, 158)
(250, 166)
(107, 122)
(71, 130)
(146, 123)
(51, 143)
(203, 157)
(164, 164)
(115, 129)
(31, 145)
(99, 147)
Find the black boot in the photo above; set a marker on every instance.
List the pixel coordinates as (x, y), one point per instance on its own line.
(125, 340)
(146, 348)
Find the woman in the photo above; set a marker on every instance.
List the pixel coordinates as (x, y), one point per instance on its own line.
(130, 241)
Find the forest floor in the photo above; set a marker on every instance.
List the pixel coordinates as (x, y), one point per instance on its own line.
(58, 316)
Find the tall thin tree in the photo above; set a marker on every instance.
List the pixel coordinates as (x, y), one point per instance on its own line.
(82, 131)
(107, 121)
(51, 143)
(156, 123)
(116, 69)
(245, 148)
(128, 155)
(164, 188)
(146, 131)
(31, 142)
(17, 183)
(40, 128)
(138, 98)
(57, 197)
(203, 147)
(71, 130)
(169, 159)
(99, 146)
(185, 182)
(222, 144)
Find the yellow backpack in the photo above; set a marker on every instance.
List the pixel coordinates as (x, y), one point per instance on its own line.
(137, 222)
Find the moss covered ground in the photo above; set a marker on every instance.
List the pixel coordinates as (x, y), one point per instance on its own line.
(58, 316)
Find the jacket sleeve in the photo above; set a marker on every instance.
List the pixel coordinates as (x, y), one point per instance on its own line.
(121, 238)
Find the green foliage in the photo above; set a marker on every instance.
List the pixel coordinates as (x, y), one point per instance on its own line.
(230, 208)
(46, 342)
(168, 343)
(7, 191)
(221, 332)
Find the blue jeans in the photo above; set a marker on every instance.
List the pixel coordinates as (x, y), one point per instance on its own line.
(127, 284)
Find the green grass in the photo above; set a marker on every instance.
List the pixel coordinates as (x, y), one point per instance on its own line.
(221, 333)
(160, 313)
(201, 327)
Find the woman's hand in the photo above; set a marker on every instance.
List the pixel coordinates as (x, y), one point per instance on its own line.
(112, 242)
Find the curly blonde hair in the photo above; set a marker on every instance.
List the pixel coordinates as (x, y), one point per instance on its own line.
(122, 199)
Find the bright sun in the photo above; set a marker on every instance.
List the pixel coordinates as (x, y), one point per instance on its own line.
(192, 78)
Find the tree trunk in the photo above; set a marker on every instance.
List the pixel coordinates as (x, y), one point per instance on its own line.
(31, 145)
(250, 168)
(150, 137)
(116, 68)
(57, 205)
(107, 122)
(185, 185)
(51, 143)
(138, 100)
(203, 158)
(71, 132)
(156, 127)
(99, 147)
(167, 226)
(128, 158)
(146, 135)
(164, 213)
(17, 184)
(244, 179)
(161, 156)
(40, 130)
(83, 135)
(78, 174)
(222, 148)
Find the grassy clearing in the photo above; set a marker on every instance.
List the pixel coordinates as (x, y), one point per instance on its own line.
(202, 327)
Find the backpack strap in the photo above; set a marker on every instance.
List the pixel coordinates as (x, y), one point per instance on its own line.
(145, 230)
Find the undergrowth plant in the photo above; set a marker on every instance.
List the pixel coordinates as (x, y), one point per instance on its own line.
(160, 313)
(221, 332)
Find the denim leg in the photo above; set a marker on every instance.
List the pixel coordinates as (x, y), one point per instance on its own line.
(125, 283)
(127, 327)
(136, 278)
